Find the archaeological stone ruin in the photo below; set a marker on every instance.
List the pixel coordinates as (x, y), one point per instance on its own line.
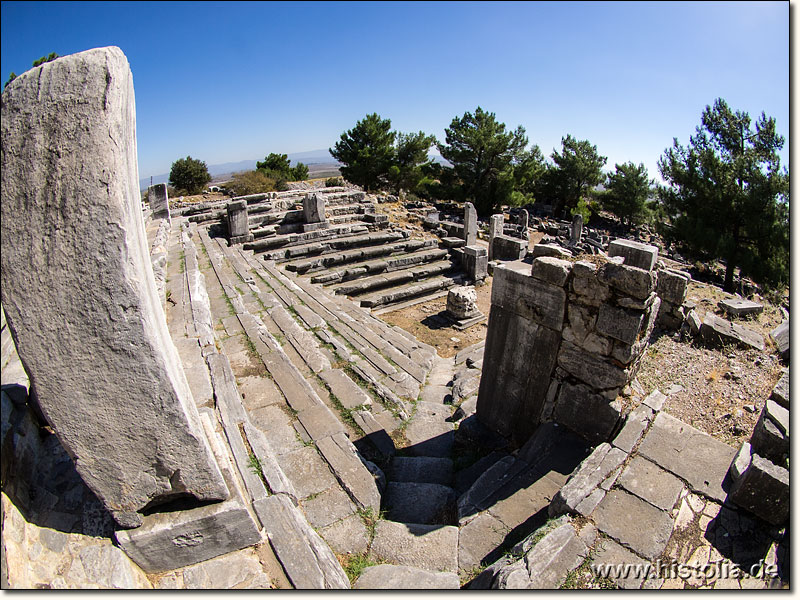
(212, 395)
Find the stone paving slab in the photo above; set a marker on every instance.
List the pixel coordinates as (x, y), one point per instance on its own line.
(633, 522)
(609, 552)
(646, 480)
(430, 547)
(395, 577)
(480, 541)
(307, 471)
(348, 536)
(428, 433)
(694, 456)
(327, 507)
(423, 469)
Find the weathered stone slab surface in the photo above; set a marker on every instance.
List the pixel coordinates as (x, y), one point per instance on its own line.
(508, 248)
(550, 250)
(114, 357)
(627, 279)
(636, 254)
(590, 415)
(672, 286)
(159, 200)
(348, 536)
(591, 369)
(470, 224)
(480, 540)
(635, 424)
(527, 297)
(610, 554)
(314, 208)
(351, 473)
(429, 547)
(763, 489)
(694, 456)
(717, 331)
(395, 577)
(424, 469)
(634, 522)
(739, 307)
(644, 479)
(780, 335)
(306, 558)
(428, 433)
(551, 270)
(780, 393)
(576, 496)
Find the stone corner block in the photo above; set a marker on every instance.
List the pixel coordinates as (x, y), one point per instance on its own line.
(636, 254)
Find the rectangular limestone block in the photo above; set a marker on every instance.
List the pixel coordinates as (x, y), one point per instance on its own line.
(313, 208)
(159, 200)
(470, 224)
(619, 323)
(672, 286)
(630, 280)
(636, 254)
(590, 415)
(531, 298)
(763, 489)
(79, 291)
(237, 219)
(508, 248)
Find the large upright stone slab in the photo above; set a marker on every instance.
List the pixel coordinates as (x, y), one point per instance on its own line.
(495, 229)
(575, 230)
(159, 200)
(470, 224)
(238, 227)
(79, 292)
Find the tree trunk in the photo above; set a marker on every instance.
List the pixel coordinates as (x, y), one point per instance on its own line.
(732, 256)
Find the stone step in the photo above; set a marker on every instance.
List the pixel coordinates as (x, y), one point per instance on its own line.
(325, 261)
(394, 278)
(328, 243)
(296, 239)
(428, 433)
(386, 265)
(429, 547)
(421, 469)
(336, 210)
(411, 290)
(424, 503)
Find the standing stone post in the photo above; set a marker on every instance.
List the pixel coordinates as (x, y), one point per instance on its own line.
(238, 227)
(159, 201)
(576, 230)
(522, 221)
(476, 262)
(470, 224)
(314, 212)
(79, 292)
(495, 229)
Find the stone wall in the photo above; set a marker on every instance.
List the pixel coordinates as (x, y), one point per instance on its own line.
(563, 340)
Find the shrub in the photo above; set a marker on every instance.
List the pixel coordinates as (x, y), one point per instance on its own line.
(250, 182)
(189, 174)
(334, 182)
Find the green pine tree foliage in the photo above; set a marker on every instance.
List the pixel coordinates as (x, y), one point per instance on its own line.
(366, 152)
(728, 197)
(189, 174)
(483, 155)
(411, 153)
(279, 168)
(628, 189)
(577, 170)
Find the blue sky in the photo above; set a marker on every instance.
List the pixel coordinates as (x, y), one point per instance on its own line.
(232, 81)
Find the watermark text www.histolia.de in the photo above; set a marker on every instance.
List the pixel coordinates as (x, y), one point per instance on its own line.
(709, 572)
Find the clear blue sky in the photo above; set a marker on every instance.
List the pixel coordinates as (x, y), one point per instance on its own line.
(233, 81)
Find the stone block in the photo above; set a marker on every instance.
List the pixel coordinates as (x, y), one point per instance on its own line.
(70, 189)
(413, 502)
(237, 219)
(470, 224)
(530, 298)
(476, 262)
(423, 469)
(551, 270)
(453, 242)
(780, 335)
(739, 307)
(313, 208)
(591, 369)
(159, 201)
(573, 496)
(350, 471)
(629, 280)
(636, 254)
(307, 560)
(495, 229)
(480, 540)
(619, 323)
(770, 437)
(633, 522)
(590, 415)
(610, 552)
(508, 248)
(576, 229)
(763, 489)
(396, 577)
(716, 331)
(550, 250)
(672, 286)
(780, 393)
(694, 322)
(462, 302)
(635, 424)
(741, 461)
(429, 547)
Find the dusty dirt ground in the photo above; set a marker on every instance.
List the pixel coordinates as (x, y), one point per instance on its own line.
(427, 323)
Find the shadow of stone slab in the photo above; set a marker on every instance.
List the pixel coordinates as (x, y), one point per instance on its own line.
(412, 502)
(690, 454)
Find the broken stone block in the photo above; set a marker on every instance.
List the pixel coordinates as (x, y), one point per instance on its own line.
(313, 208)
(159, 201)
(672, 286)
(780, 393)
(635, 424)
(550, 250)
(763, 489)
(694, 322)
(780, 335)
(619, 323)
(741, 461)
(396, 577)
(470, 224)
(528, 297)
(462, 302)
(72, 191)
(739, 307)
(636, 254)
(591, 369)
(629, 280)
(770, 437)
(572, 497)
(551, 270)
(716, 331)
(495, 229)
(589, 415)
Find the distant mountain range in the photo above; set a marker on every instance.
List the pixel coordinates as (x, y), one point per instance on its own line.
(310, 157)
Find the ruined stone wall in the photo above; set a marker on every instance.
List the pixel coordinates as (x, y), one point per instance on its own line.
(563, 340)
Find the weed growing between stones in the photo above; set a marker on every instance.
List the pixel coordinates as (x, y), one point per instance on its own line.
(354, 564)
(264, 281)
(183, 261)
(583, 576)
